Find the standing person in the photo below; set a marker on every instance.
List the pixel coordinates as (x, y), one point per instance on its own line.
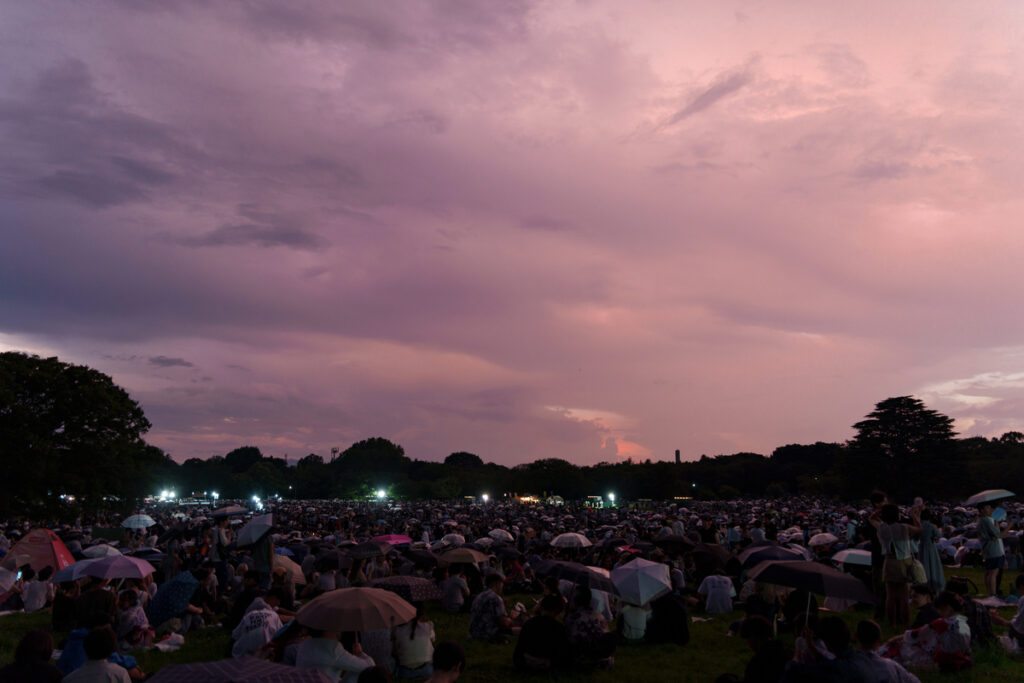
(220, 539)
(878, 499)
(928, 553)
(991, 546)
(263, 559)
(894, 538)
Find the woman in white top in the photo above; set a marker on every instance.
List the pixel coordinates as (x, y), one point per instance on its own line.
(414, 647)
(324, 652)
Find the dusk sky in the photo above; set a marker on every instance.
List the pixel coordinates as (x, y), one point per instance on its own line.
(588, 230)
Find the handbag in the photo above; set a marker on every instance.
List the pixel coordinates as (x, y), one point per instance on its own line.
(916, 572)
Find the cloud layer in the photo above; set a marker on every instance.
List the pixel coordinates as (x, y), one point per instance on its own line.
(527, 230)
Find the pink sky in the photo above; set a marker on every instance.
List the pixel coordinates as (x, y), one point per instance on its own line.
(584, 230)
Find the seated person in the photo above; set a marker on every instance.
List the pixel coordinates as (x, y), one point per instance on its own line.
(770, 656)
(587, 631)
(455, 589)
(1015, 626)
(32, 660)
(99, 645)
(258, 625)
(921, 597)
(944, 643)
(869, 637)
(845, 664)
(669, 622)
(448, 662)
(718, 591)
(133, 629)
(74, 654)
(339, 660)
(633, 622)
(414, 646)
(543, 643)
(488, 619)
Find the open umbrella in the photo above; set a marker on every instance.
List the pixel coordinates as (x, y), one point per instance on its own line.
(463, 555)
(172, 598)
(501, 535)
(72, 572)
(639, 581)
(989, 496)
(411, 588)
(421, 557)
(138, 522)
(822, 539)
(249, 669)
(571, 540)
(454, 539)
(853, 556)
(292, 570)
(8, 579)
(579, 574)
(257, 528)
(753, 555)
(674, 543)
(368, 549)
(813, 577)
(119, 567)
(101, 550)
(393, 539)
(355, 609)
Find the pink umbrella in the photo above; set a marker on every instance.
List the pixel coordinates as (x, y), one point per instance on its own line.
(393, 539)
(119, 567)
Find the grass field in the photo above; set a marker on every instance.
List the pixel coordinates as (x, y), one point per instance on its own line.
(710, 651)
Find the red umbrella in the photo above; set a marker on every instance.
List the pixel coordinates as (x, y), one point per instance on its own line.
(393, 539)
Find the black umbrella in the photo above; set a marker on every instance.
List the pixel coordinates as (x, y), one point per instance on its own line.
(674, 543)
(813, 577)
(579, 574)
(368, 549)
(770, 551)
(421, 558)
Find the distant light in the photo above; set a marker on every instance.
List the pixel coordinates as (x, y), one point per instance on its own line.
(215, 495)
(255, 499)
(694, 485)
(381, 494)
(485, 497)
(611, 497)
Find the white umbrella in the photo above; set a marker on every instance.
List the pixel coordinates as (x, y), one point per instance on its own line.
(822, 539)
(571, 540)
(989, 496)
(485, 541)
(853, 556)
(138, 522)
(7, 579)
(639, 581)
(101, 550)
(256, 529)
(501, 535)
(454, 539)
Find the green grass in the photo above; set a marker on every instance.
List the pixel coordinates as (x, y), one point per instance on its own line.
(710, 651)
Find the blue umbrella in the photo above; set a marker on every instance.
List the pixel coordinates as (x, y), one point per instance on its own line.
(284, 551)
(172, 598)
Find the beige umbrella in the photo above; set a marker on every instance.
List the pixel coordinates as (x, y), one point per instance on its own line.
(293, 570)
(463, 555)
(356, 609)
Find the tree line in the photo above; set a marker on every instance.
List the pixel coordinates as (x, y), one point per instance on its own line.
(68, 430)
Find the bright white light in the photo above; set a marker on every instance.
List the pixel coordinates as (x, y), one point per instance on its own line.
(215, 495)
(485, 497)
(255, 499)
(381, 493)
(611, 497)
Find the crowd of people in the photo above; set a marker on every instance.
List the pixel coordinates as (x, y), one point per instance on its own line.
(563, 555)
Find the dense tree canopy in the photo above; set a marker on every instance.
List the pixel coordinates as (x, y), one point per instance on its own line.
(70, 429)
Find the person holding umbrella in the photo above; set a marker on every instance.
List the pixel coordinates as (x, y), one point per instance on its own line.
(991, 546)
